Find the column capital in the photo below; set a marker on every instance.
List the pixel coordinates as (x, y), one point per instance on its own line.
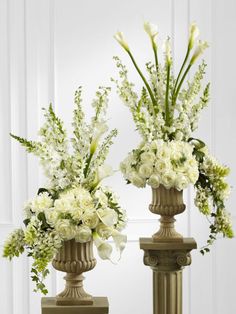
(167, 256)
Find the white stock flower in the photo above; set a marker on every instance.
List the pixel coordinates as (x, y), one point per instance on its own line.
(108, 216)
(41, 202)
(119, 36)
(193, 34)
(65, 229)
(83, 234)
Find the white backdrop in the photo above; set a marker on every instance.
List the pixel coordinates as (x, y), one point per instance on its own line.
(47, 49)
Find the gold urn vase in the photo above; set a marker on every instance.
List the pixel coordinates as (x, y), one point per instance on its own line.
(167, 203)
(74, 258)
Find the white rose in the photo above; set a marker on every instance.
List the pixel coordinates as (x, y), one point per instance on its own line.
(148, 157)
(154, 181)
(83, 234)
(62, 205)
(84, 199)
(193, 175)
(181, 182)
(51, 216)
(168, 179)
(162, 166)
(41, 202)
(145, 170)
(65, 229)
(137, 180)
(77, 213)
(90, 219)
(108, 216)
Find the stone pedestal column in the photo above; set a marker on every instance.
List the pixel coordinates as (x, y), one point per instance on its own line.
(167, 259)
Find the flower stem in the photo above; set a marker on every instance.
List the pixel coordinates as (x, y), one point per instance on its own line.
(167, 120)
(180, 72)
(156, 57)
(180, 84)
(88, 164)
(155, 109)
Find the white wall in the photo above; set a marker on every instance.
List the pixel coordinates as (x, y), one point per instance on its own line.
(47, 49)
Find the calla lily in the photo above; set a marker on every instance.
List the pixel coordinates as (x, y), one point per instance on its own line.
(120, 240)
(104, 171)
(120, 38)
(104, 249)
(151, 30)
(202, 45)
(193, 34)
(168, 51)
(108, 216)
(101, 129)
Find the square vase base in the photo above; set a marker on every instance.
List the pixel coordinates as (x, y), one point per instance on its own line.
(100, 306)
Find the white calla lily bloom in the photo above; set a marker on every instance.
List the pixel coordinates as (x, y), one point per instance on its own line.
(108, 216)
(104, 249)
(202, 45)
(119, 36)
(151, 30)
(193, 34)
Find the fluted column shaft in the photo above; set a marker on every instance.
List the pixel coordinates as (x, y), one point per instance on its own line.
(167, 261)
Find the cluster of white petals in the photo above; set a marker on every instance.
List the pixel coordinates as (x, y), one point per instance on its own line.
(171, 164)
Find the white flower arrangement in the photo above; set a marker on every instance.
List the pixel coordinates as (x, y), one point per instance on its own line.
(73, 204)
(171, 164)
(166, 113)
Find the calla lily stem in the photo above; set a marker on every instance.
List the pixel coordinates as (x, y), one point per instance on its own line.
(155, 110)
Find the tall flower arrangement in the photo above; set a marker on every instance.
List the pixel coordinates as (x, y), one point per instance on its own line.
(166, 113)
(73, 204)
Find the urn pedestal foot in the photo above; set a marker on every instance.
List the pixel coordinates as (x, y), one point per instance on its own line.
(100, 306)
(74, 293)
(167, 259)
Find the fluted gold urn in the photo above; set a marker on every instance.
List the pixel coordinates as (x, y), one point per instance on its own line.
(74, 258)
(167, 203)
